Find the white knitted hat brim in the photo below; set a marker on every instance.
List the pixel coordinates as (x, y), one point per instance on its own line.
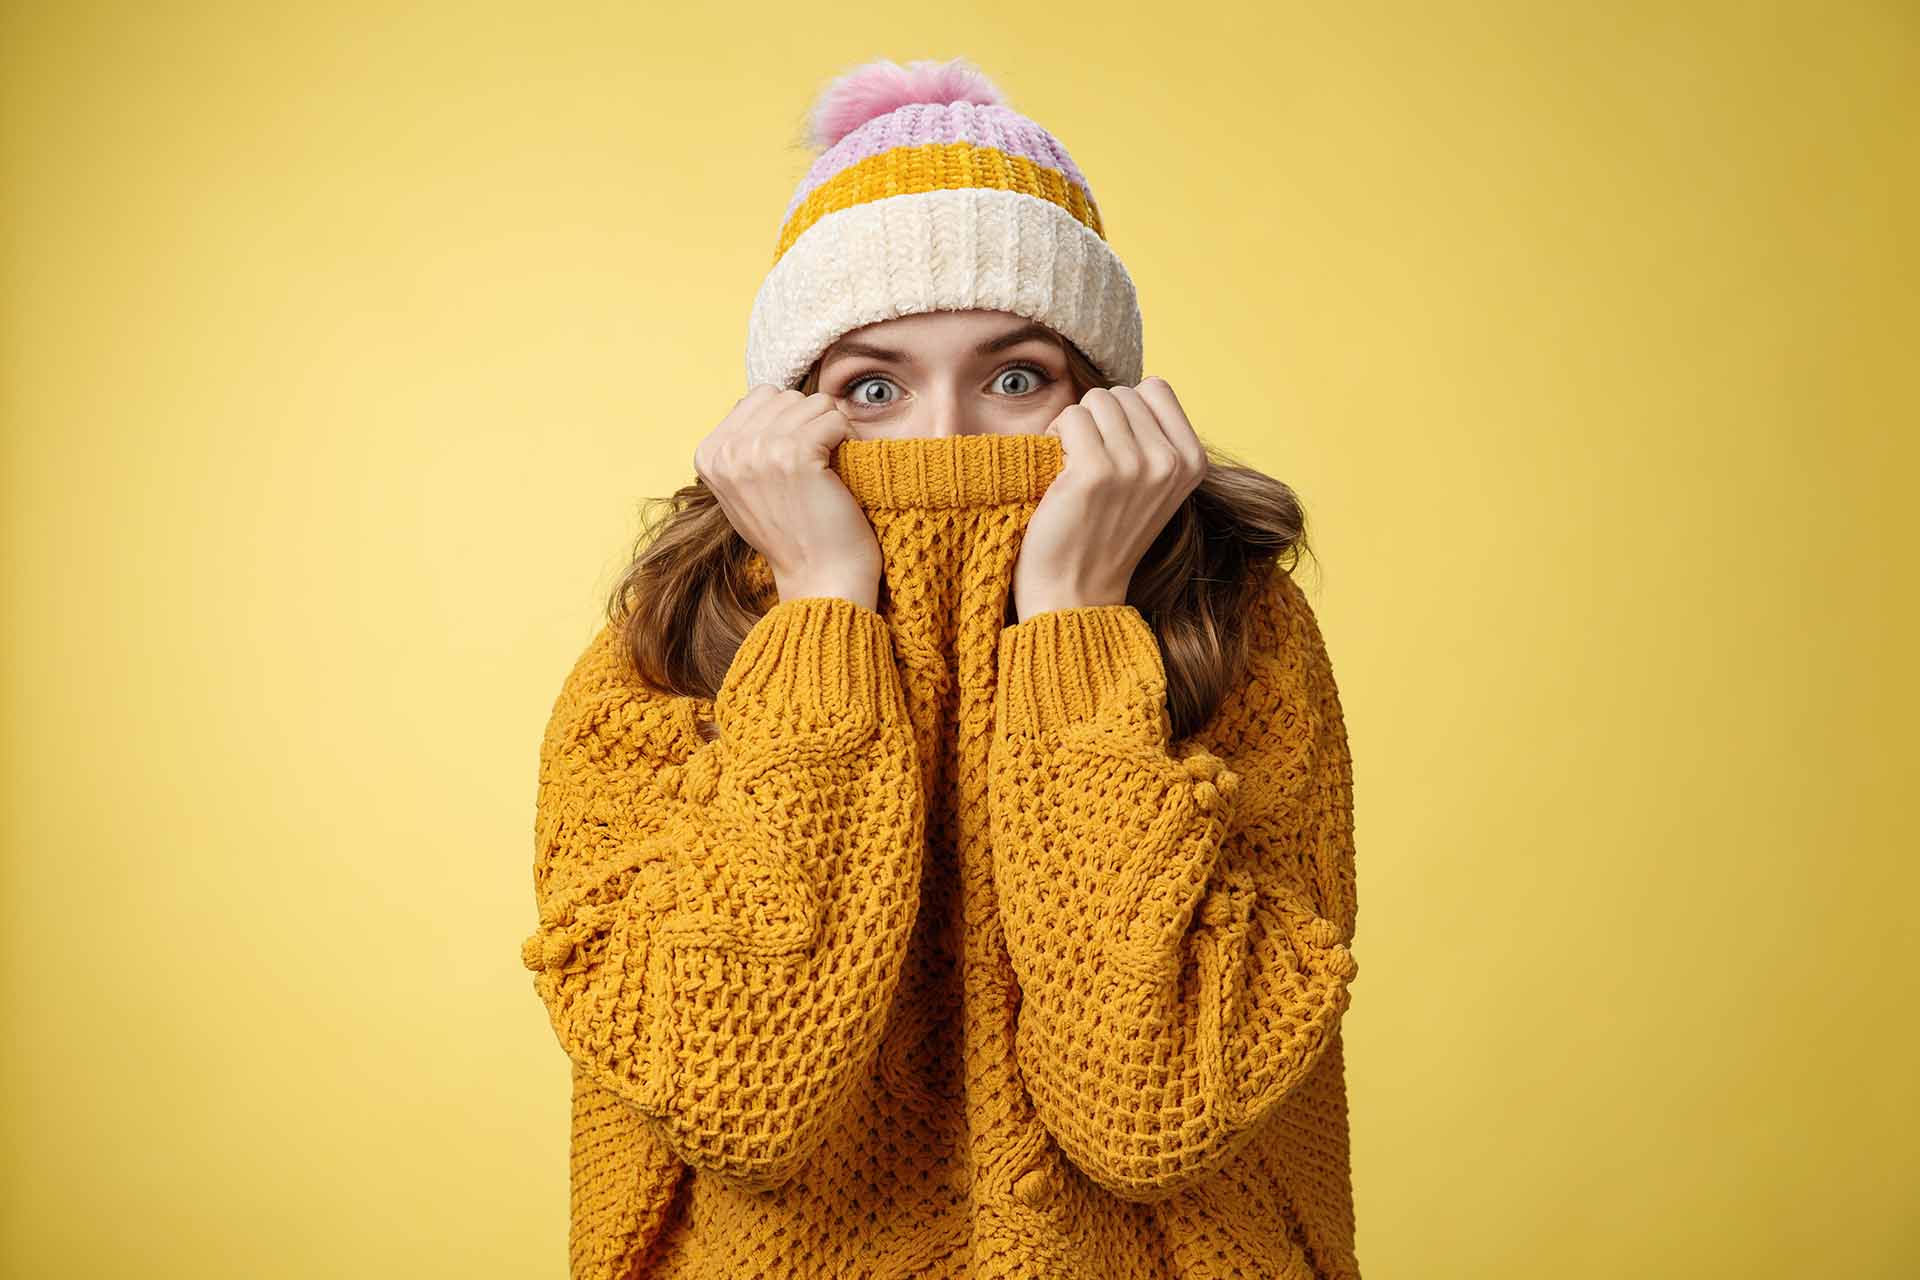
(947, 250)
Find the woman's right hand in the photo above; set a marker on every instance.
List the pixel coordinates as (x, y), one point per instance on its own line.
(768, 462)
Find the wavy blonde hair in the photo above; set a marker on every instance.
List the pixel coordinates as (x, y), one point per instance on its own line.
(684, 603)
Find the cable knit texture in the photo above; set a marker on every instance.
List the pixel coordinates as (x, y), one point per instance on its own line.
(941, 959)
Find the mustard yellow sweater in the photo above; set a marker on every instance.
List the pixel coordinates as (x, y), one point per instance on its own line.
(941, 960)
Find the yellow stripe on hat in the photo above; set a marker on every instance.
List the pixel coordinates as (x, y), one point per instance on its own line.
(938, 166)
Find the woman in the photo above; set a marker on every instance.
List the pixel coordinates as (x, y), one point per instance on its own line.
(944, 853)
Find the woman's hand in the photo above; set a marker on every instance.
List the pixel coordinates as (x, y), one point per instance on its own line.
(769, 464)
(1131, 460)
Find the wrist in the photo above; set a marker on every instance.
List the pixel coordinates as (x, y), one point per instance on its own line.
(1030, 605)
(862, 590)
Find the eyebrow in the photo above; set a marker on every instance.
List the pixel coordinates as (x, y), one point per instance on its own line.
(1011, 338)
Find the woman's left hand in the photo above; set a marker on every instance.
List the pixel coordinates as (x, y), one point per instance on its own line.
(1131, 459)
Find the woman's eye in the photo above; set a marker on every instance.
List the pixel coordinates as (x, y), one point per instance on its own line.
(1027, 373)
(847, 392)
(1027, 379)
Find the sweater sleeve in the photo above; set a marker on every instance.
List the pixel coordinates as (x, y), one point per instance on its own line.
(722, 925)
(1178, 923)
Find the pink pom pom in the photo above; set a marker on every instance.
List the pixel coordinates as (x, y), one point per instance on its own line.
(877, 87)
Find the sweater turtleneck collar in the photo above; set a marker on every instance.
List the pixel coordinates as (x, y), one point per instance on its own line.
(949, 471)
(972, 485)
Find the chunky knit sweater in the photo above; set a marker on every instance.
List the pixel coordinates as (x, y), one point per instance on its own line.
(941, 959)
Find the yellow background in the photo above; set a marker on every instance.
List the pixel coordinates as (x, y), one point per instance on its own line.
(340, 343)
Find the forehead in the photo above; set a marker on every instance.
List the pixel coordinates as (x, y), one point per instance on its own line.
(966, 333)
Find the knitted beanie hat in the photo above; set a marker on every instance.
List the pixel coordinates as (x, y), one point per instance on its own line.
(931, 194)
